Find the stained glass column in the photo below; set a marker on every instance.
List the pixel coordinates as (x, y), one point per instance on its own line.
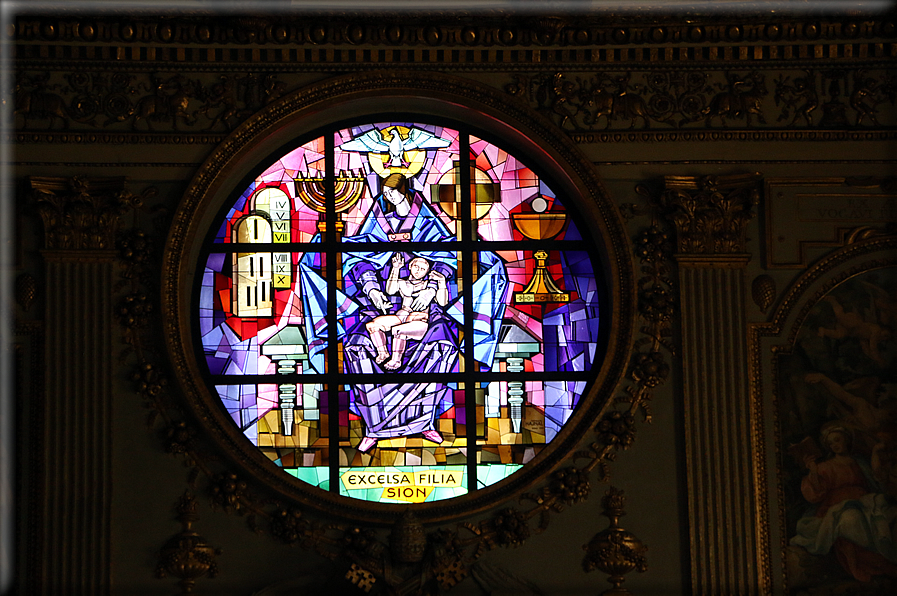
(710, 215)
(79, 217)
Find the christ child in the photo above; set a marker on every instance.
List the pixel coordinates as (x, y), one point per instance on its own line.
(410, 321)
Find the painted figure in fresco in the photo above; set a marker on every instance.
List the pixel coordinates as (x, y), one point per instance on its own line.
(883, 305)
(867, 407)
(402, 409)
(869, 416)
(407, 323)
(843, 505)
(851, 324)
(853, 518)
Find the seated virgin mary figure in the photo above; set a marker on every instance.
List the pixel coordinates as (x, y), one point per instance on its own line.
(399, 409)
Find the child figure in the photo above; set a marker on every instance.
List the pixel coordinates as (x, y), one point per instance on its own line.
(410, 322)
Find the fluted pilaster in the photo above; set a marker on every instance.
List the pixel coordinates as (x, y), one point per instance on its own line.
(710, 216)
(77, 430)
(80, 217)
(718, 432)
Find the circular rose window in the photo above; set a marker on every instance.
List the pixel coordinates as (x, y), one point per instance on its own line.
(392, 310)
(430, 342)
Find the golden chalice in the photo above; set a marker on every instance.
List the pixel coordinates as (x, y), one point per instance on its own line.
(539, 225)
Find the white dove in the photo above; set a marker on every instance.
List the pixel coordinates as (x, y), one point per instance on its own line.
(372, 142)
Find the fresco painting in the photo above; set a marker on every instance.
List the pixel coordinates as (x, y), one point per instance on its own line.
(838, 411)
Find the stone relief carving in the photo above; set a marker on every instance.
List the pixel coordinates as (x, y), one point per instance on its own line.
(587, 101)
(846, 97)
(708, 99)
(710, 213)
(148, 102)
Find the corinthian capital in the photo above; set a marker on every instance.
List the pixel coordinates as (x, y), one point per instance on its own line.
(710, 213)
(80, 213)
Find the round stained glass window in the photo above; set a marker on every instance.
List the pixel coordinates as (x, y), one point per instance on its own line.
(398, 311)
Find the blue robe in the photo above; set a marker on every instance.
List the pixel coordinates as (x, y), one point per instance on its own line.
(401, 409)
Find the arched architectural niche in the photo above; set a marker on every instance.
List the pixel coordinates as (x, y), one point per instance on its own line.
(795, 379)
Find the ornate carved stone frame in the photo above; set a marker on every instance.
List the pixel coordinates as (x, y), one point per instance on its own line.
(370, 94)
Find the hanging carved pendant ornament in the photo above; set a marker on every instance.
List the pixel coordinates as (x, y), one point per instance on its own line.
(615, 551)
(187, 556)
(26, 290)
(763, 291)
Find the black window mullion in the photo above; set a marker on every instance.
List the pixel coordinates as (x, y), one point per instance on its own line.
(482, 377)
(467, 257)
(330, 257)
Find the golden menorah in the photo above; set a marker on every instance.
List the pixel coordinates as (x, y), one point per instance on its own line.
(349, 187)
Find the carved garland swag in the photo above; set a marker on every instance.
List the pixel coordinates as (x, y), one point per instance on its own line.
(439, 558)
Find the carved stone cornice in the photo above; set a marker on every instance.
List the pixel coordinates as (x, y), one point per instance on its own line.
(80, 213)
(710, 214)
(453, 29)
